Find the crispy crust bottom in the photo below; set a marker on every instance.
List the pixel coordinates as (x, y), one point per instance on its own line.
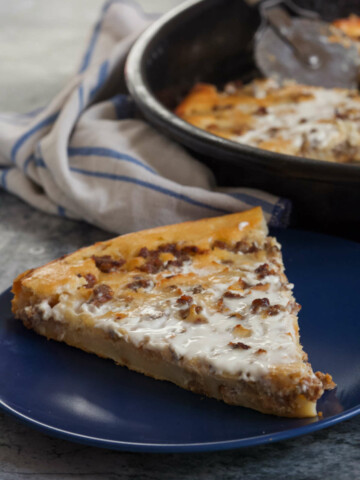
(255, 395)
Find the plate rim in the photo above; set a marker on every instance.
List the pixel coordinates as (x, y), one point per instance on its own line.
(180, 447)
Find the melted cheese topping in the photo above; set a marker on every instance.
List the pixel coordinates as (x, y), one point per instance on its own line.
(227, 309)
(311, 122)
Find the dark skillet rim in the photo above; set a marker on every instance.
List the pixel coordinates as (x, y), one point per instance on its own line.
(193, 136)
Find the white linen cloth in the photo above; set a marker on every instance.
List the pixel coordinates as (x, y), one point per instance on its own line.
(84, 156)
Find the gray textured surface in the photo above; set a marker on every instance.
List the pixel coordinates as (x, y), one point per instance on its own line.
(29, 238)
(42, 43)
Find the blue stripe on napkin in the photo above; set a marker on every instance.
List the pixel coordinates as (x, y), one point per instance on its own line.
(95, 34)
(61, 211)
(165, 191)
(102, 75)
(124, 106)
(107, 152)
(81, 97)
(4, 174)
(43, 123)
(253, 201)
(281, 213)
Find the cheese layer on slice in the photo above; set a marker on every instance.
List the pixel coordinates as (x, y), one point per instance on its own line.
(203, 304)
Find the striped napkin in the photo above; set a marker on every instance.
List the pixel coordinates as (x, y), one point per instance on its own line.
(86, 156)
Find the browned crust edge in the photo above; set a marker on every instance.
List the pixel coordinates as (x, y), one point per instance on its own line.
(263, 396)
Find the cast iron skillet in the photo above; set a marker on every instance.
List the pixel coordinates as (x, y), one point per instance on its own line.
(211, 41)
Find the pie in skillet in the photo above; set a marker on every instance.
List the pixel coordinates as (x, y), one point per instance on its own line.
(203, 304)
(301, 120)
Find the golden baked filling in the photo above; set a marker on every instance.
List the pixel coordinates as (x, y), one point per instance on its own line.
(301, 120)
(350, 26)
(203, 304)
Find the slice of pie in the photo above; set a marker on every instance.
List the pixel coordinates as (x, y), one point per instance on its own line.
(203, 304)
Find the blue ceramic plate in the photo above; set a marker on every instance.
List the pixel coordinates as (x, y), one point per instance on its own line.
(70, 394)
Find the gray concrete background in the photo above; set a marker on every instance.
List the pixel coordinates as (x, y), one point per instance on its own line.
(41, 43)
